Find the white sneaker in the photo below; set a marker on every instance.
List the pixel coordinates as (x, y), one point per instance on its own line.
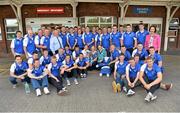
(68, 82)
(38, 92)
(64, 88)
(46, 90)
(14, 86)
(100, 74)
(125, 89)
(153, 97)
(107, 75)
(85, 75)
(81, 75)
(148, 97)
(97, 66)
(76, 82)
(130, 92)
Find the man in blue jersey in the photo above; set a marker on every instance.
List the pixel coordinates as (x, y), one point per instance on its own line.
(150, 77)
(45, 59)
(77, 51)
(71, 39)
(39, 78)
(125, 52)
(143, 54)
(98, 38)
(141, 34)
(114, 56)
(88, 38)
(31, 59)
(129, 39)
(37, 41)
(45, 41)
(18, 70)
(82, 65)
(119, 73)
(80, 39)
(17, 44)
(106, 40)
(116, 37)
(132, 76)
(55, 79)
(63, 35)
(60, 56)
(29, 44)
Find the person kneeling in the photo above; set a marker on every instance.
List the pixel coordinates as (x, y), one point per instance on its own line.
(38, 75)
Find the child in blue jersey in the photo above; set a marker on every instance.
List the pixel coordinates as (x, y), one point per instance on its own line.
(70, 70)
(125, 52)
(141, 34)
(71, 39)
(119, 74)
(129, 39)
(114, 56)
(82, 65)
(60, 56)
(39, 78)
(98, 38)
(88, 38)
(143, 54)
(55, 76)
(29, 44)
(45, 60)
(150, 77)
(76, 52)
(17, 44)
(116, 37)
(132, 76)
(63, 35)
(18, 70)
(106, 40)
(80, 39)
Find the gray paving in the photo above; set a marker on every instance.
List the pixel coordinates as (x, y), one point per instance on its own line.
(93, 95)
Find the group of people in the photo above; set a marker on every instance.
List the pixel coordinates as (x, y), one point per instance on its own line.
(62, 54)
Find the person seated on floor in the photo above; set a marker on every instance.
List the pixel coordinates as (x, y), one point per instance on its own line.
(132, 77)
(68, 50)
(55, 77)
(82, 65)
(101, 53)
(119, 74)
(150, 77)
(76, 52)
(60, 56)
(18, 70)
(92, 58)
(70, 70)
(31, 59)
(38, 75)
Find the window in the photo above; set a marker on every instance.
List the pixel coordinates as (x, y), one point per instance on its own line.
(0, 33)
(11, 28)
(98, 21)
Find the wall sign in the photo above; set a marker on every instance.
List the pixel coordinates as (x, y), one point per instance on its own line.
(139, 10)
(50, 10)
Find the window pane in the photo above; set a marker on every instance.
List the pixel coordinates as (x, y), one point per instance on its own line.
(11, 28)
(105, 25)
(92, 19)
(105, 19)
(92, 25)
(115, 20)
(82, 20)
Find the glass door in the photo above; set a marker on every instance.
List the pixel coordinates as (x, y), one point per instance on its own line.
(11, 26)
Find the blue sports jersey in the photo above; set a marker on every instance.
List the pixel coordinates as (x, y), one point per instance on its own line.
(46, 60)
(88, 38)
(80, 41)
(61, 58)
(128, 39)
(47, 42)
(82, 62)
(133, 71)
(39, 38)
(142, 55)
(156, 57)
(64, 38)
(141, 36)
(69, 64)
(38, 71)
(106, 41)
(121, 68)
(31, 47)
(18, 46)
(98, 39)
(71, 39)
(55, 69)
(68, 52)
(152, 74)
(20, 69)
(115, 38)
(115, 54)
(77, 52)
(127, 55)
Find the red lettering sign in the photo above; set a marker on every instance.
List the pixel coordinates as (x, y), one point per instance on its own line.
(44, 10)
